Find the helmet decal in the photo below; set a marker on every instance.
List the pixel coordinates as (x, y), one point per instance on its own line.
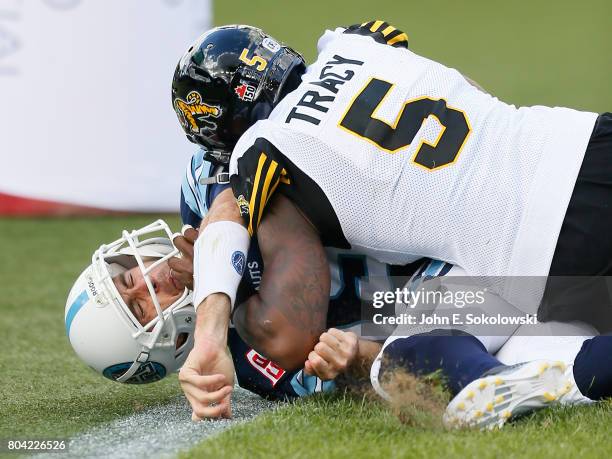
(271, 45)
(245, 91)
(255, 61)
(76, 306)
(147, 373)
(194, 114)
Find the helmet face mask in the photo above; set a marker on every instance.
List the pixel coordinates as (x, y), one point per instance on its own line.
(103, 330)
(231, 77)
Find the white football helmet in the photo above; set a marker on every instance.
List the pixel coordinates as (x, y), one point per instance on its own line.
(103, 331)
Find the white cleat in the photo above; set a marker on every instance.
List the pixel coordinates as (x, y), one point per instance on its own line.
(570, 395)
(490, 401)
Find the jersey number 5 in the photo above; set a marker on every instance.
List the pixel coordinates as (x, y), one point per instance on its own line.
(455, 128)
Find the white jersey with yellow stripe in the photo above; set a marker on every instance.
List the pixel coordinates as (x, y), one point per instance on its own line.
(399, 157)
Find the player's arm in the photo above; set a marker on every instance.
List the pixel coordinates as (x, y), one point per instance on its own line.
(222, 244)
(287, 316)
(213, 309)
(214, 305)
(207, 377)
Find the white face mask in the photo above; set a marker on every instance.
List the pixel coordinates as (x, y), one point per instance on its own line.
(102, 329)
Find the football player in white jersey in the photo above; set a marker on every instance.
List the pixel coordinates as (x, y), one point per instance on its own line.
(353, 277)
(398, 157)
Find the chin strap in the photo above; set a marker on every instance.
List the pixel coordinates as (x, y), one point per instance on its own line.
(143, 357)
(219, 157)
(221, 178)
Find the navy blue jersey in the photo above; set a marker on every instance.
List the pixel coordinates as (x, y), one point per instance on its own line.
(254, 372)
(354, 277)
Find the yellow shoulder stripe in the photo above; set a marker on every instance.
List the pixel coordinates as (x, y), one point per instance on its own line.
(376, 26)
(253, 200)
(266, 192)
(400, 37)
(387, 30)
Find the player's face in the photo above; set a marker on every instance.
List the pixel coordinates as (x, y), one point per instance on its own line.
(133, 289)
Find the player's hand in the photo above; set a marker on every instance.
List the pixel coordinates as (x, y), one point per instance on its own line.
(333, 354)
(181, 269)
(207, 379)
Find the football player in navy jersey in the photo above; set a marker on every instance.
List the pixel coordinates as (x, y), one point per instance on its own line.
(261, 372)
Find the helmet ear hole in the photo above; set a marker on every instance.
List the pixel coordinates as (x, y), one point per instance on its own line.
(183, 344)
(181, 339)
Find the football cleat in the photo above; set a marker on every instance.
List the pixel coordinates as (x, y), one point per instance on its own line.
(570, 394)
(490, 401)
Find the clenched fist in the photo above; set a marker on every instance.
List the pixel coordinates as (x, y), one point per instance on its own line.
(334, 354)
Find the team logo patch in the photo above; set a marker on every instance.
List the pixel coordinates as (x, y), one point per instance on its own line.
(238, 261)
(245, 91)
(147, 373)
(243, 205)
(195, 115)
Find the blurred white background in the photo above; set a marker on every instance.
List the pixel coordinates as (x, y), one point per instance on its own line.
(85, 111)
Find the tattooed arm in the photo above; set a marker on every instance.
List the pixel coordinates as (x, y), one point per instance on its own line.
(285, 319)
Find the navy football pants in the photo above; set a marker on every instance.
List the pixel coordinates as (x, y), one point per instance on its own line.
(462, 359)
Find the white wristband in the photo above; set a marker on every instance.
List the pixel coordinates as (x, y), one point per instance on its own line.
(219, 259)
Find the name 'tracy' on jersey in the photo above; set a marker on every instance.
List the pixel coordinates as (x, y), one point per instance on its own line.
(399, 157)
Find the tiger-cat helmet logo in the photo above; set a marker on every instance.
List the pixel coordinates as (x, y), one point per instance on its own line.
(195, 115)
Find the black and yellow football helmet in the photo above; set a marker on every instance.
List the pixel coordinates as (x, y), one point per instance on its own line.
(231, 77)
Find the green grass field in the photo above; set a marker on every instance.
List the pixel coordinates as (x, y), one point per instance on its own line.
(341, 426)
(47, 391)
(526, 52)
(535, 52)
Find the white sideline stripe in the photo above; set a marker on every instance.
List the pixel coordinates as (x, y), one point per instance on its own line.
(158, 432)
